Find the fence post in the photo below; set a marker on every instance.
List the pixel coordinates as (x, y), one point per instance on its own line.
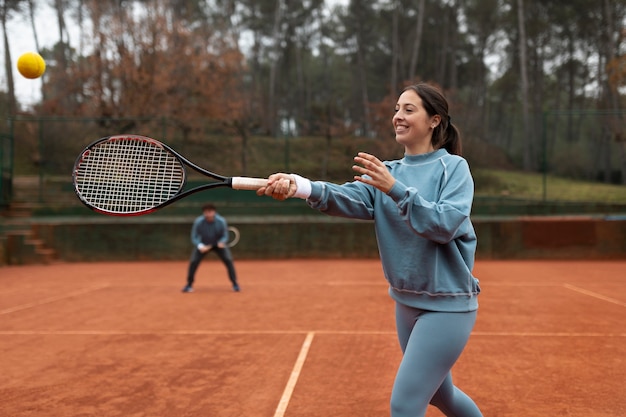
(42, 158)
(287, 152)
(544, 156)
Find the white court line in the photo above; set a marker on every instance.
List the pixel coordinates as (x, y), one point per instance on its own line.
(188, 332)
(521, 284)
(295, 374)
(548, 334)
(276, 332)
(149, 333)
(51, 300)
(595, 295)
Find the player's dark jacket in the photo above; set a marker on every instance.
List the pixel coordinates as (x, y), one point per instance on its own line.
(209, 233)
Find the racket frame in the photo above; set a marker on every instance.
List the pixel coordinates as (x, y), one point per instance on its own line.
(238, 183)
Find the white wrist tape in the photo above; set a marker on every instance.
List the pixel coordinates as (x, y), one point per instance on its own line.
(303, 187)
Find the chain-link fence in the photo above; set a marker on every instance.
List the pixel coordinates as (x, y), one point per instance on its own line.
(582, 146)
(589, 145)
(47, 147)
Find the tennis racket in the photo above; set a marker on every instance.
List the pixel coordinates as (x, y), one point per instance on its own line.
(131, 175)
(234, 236)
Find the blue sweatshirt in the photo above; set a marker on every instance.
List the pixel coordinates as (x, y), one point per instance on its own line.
(209, 233)
(425, 237)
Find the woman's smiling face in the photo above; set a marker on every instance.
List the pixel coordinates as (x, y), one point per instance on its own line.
(412, 124)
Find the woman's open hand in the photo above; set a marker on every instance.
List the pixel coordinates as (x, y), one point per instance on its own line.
(376, 172)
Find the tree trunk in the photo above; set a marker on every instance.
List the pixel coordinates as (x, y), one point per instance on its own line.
(273, 122)
(395, 48)
(615, 118)
(453, 76)
(419, 30)
(527, 156)
(63, 37)
(362, 72)
(444, 45)
(31, 14)
(8, 65)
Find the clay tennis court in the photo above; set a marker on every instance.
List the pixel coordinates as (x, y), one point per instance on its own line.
(303, 338)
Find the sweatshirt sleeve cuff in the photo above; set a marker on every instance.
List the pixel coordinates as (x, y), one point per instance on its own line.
(398, 192)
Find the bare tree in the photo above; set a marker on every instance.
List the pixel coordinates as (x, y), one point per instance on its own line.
(7, 7)
(31, 15)
(395, 45)
(419, 30)
(361, 64)
(610, 93)
(521, 22)
(274, 125)
(62, 56)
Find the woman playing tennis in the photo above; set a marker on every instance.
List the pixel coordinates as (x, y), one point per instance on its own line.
(421, 207)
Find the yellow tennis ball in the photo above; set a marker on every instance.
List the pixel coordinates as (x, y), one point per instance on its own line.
(31, 65)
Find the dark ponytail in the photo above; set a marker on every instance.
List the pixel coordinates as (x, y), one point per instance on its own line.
(445, 135)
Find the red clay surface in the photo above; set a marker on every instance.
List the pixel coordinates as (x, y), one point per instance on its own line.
(303, 338)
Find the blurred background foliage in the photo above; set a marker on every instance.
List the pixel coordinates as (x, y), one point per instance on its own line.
(249, 87)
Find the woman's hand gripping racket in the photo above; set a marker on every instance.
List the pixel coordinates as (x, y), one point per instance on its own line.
(131, 175)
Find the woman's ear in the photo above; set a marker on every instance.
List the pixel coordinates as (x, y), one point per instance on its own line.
(436, 119)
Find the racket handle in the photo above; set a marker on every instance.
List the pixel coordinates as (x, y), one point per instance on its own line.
(247, 183)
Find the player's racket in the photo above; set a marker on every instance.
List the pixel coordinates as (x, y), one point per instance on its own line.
(131, 175)
(234, 236)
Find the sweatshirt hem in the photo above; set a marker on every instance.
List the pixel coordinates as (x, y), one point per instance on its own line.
(457, 303)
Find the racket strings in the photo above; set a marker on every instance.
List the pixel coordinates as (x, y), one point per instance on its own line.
(128, 175)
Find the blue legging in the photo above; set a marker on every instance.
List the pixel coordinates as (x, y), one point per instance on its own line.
(431, 343)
